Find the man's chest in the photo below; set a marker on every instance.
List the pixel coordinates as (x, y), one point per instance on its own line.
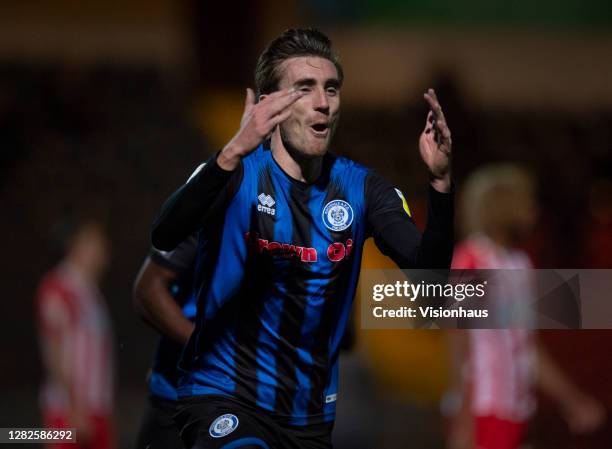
(312, 227)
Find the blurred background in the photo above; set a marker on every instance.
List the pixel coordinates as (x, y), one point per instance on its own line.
(107, 107)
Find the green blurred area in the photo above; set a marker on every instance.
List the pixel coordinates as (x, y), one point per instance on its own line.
(549, 13)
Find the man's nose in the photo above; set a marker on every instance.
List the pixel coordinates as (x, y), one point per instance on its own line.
(320, 102)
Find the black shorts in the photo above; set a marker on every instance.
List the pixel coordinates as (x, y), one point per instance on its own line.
(220, 422)
(158, 430)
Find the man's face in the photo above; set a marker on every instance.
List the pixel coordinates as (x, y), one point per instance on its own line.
(513, 211)
(522, 219)
(314, 116)
(92, 247)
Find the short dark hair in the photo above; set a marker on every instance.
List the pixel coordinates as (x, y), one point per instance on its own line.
(292, 43)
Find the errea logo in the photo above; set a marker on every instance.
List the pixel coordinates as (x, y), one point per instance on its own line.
(266, 204)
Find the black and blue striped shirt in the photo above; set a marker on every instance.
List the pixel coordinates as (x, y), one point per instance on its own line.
(276, 272)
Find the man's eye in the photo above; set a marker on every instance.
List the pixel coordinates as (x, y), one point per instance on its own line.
(305, 89)
(332, 91)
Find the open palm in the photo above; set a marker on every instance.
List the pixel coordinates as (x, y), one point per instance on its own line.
(435, 140)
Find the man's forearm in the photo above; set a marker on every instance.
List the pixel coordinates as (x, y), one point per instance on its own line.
(443, 184)
(551, 379)
(155, 304)
(436, 247)
(400, 239)
(230, 157)
(166, 317)
(185, 211)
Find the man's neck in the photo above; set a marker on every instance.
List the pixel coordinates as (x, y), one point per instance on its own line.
(299, 168)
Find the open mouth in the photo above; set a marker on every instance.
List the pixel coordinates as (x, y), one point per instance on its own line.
(320, 128)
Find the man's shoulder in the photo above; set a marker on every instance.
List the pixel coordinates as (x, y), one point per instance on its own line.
(54, 287)
(51, 281)
(345, 164)
(180, 259)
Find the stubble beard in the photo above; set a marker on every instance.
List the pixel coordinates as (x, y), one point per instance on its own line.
(297, 151)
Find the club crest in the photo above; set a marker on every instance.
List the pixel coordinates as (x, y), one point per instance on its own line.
(337, 215)
(223, 425)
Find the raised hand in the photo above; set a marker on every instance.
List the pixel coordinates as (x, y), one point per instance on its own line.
(435, 144)
(258, 120)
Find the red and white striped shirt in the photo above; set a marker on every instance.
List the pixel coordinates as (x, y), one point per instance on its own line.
(501, 362)
(71, 311)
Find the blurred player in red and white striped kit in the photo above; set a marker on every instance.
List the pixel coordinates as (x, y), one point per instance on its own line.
(496, 370)
(76, 340)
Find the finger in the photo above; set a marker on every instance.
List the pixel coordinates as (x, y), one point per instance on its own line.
(432, 93)
(443, 140)
(443, 128)
(441, 125)
(432, 99)
(428, 122)
(289, 92)
(276, 94)
(437, 109)
(277, 103)
(446, 133)
(439, 139)
(249, 100)
(249, 104)
(279, 118)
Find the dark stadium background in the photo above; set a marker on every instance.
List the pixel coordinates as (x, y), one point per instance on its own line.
(106, 107)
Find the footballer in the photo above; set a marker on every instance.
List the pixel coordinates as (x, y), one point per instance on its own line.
(281, 222)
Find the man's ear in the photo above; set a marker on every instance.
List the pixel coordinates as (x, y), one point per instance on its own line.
(262, 97)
